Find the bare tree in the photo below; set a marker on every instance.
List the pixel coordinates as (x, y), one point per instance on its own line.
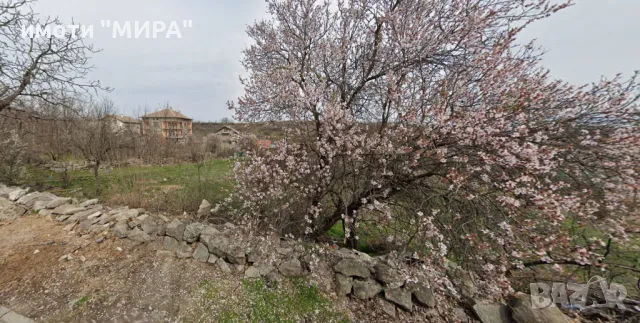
(95, 137)
(36, 66)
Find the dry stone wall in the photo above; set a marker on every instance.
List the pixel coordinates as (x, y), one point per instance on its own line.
(351, 273)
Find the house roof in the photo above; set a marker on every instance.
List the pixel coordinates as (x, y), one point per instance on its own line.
(227, 127)
(125, 119)
(265, 144)
(167, 113)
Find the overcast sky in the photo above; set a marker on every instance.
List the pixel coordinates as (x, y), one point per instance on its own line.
(198, 73)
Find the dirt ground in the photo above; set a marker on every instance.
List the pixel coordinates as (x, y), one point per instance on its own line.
(100, 283)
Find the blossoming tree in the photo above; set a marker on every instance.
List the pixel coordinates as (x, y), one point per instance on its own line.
(426, 121)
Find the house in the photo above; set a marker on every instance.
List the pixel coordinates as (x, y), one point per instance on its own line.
(125, 123)
(168, 123)
(227, 135)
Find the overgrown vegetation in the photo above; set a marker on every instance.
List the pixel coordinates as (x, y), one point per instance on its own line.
(170, 188)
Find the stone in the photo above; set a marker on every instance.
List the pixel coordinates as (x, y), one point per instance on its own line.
(522, 311)
(57, 202)
(217, 244)
(138, 235)
(274, 278)
(224, 267)
(352, 268)
(492, 313)
(235, 255)
(3, 311)
(201, 253)
(183, 250)
(141, 218)
(132, 224)
(366, 289)
(176, 229)
(100, 240)
(400, 297)
(16, 195)
(69, 226)
(62, 217)
(209, 231)
(204, 209)
(86, 224)
(65, 208)
(254, 255)
(39, 205)
(212, 259)
(239, 268)
(344, 285)
(390, 277)
(291, 268)
(170, 243)
(10, 210)
(121, 230)
(387, 307)
(154, 225)
(192, 232)
(94, 215)
(89, 203)
(252, 272)
(423, 295)
(30, 199)
(83, 215)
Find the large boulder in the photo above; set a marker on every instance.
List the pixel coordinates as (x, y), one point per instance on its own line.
(522, 311)
(57, 202)
(176, 229)
(352, 268)
(192, 232)
(366, 289)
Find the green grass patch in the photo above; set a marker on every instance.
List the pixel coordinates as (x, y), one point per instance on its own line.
(296, 300)
(171, 188)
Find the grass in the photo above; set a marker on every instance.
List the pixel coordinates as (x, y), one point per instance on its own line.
(297, 300)
(171, 188)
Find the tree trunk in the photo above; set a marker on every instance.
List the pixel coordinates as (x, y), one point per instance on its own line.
(96, 167)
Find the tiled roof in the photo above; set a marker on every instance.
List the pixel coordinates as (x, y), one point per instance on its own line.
(167, 113)
(266, 144)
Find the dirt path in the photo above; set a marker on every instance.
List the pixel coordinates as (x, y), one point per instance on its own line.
(100, 283)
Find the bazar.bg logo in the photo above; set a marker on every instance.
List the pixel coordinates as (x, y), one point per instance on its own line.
(549, 294)
(119, 29)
